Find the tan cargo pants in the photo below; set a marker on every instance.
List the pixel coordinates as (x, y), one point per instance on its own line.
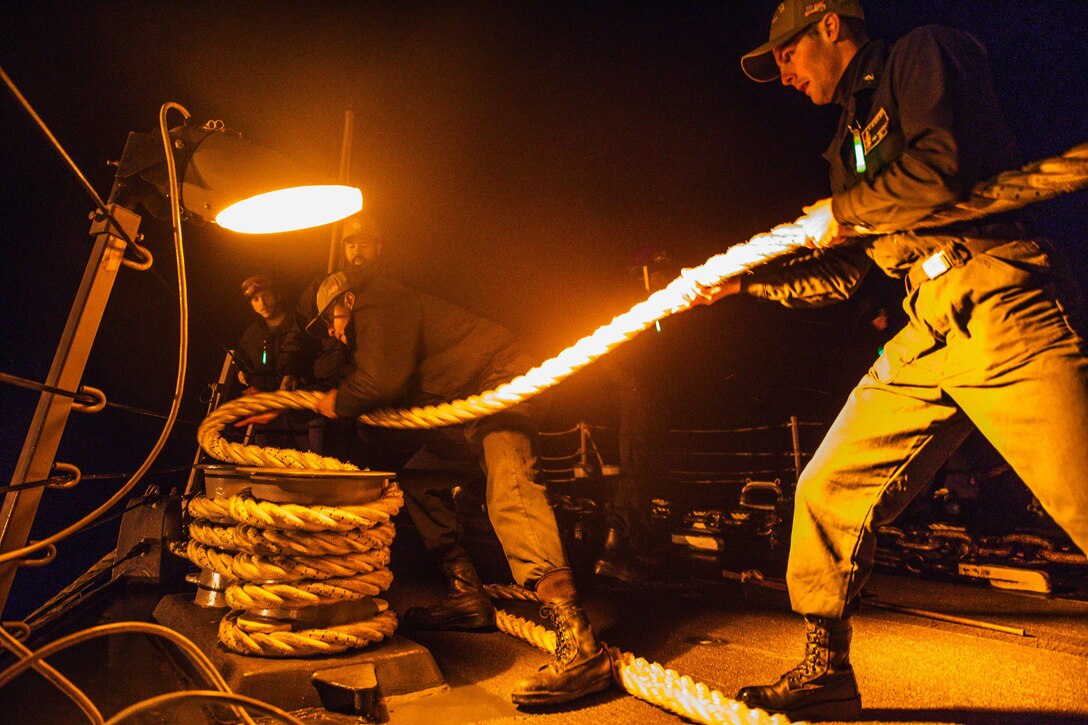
(989, 344)
(517, 502)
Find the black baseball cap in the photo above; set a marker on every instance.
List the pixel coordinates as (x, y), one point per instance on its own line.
(256, 283)
(331, 288)
(790, 19)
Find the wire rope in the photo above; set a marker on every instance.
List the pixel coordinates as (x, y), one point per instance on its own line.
(199, 659)
(183, 353)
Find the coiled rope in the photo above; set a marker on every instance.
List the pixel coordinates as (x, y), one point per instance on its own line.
(648, 681)
(207, 434)
(1009, 190)
(283, 558)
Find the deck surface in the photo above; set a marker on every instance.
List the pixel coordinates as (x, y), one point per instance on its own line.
(911, 669)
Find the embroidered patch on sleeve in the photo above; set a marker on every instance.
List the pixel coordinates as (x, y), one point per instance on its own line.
(875, 132)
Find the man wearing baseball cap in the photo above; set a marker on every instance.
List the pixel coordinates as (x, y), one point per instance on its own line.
(261, 366)
(408, 348)
(362, 241)
(989, 343)
(273, 353)
(361, 246)
(788, 22)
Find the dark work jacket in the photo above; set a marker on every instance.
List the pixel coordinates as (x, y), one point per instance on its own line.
(263, 353)
(932, 128)
(409, 348)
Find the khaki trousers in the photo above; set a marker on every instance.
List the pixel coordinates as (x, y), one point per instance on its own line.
(517, 502)
(989, 344)
(518, 507)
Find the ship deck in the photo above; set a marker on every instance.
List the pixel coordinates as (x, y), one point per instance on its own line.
(912, 667)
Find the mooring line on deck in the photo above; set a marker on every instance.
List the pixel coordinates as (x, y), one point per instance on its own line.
(649, 681)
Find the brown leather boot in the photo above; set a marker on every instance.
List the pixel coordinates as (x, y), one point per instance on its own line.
(582, 664)
(467, 607)
(822, 686)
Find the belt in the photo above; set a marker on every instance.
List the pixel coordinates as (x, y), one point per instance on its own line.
(951, 255)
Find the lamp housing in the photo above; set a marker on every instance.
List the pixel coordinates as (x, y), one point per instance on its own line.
(230, 181)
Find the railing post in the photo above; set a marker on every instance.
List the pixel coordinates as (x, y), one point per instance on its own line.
(583, 445)
(796, 448)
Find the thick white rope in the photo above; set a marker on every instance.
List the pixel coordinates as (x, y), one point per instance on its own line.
(1010, 190)
(648, 681)
(289, 557)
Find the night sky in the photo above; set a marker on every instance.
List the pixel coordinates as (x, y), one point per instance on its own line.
(519, 157)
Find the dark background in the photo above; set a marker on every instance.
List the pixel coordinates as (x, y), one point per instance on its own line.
(519, 157)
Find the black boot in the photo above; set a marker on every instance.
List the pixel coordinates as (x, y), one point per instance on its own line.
(617, 560)
(467, 607)
(822, 686)
(582, 665)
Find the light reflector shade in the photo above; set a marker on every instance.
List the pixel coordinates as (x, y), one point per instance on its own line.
(286, 210)
(228, 180)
